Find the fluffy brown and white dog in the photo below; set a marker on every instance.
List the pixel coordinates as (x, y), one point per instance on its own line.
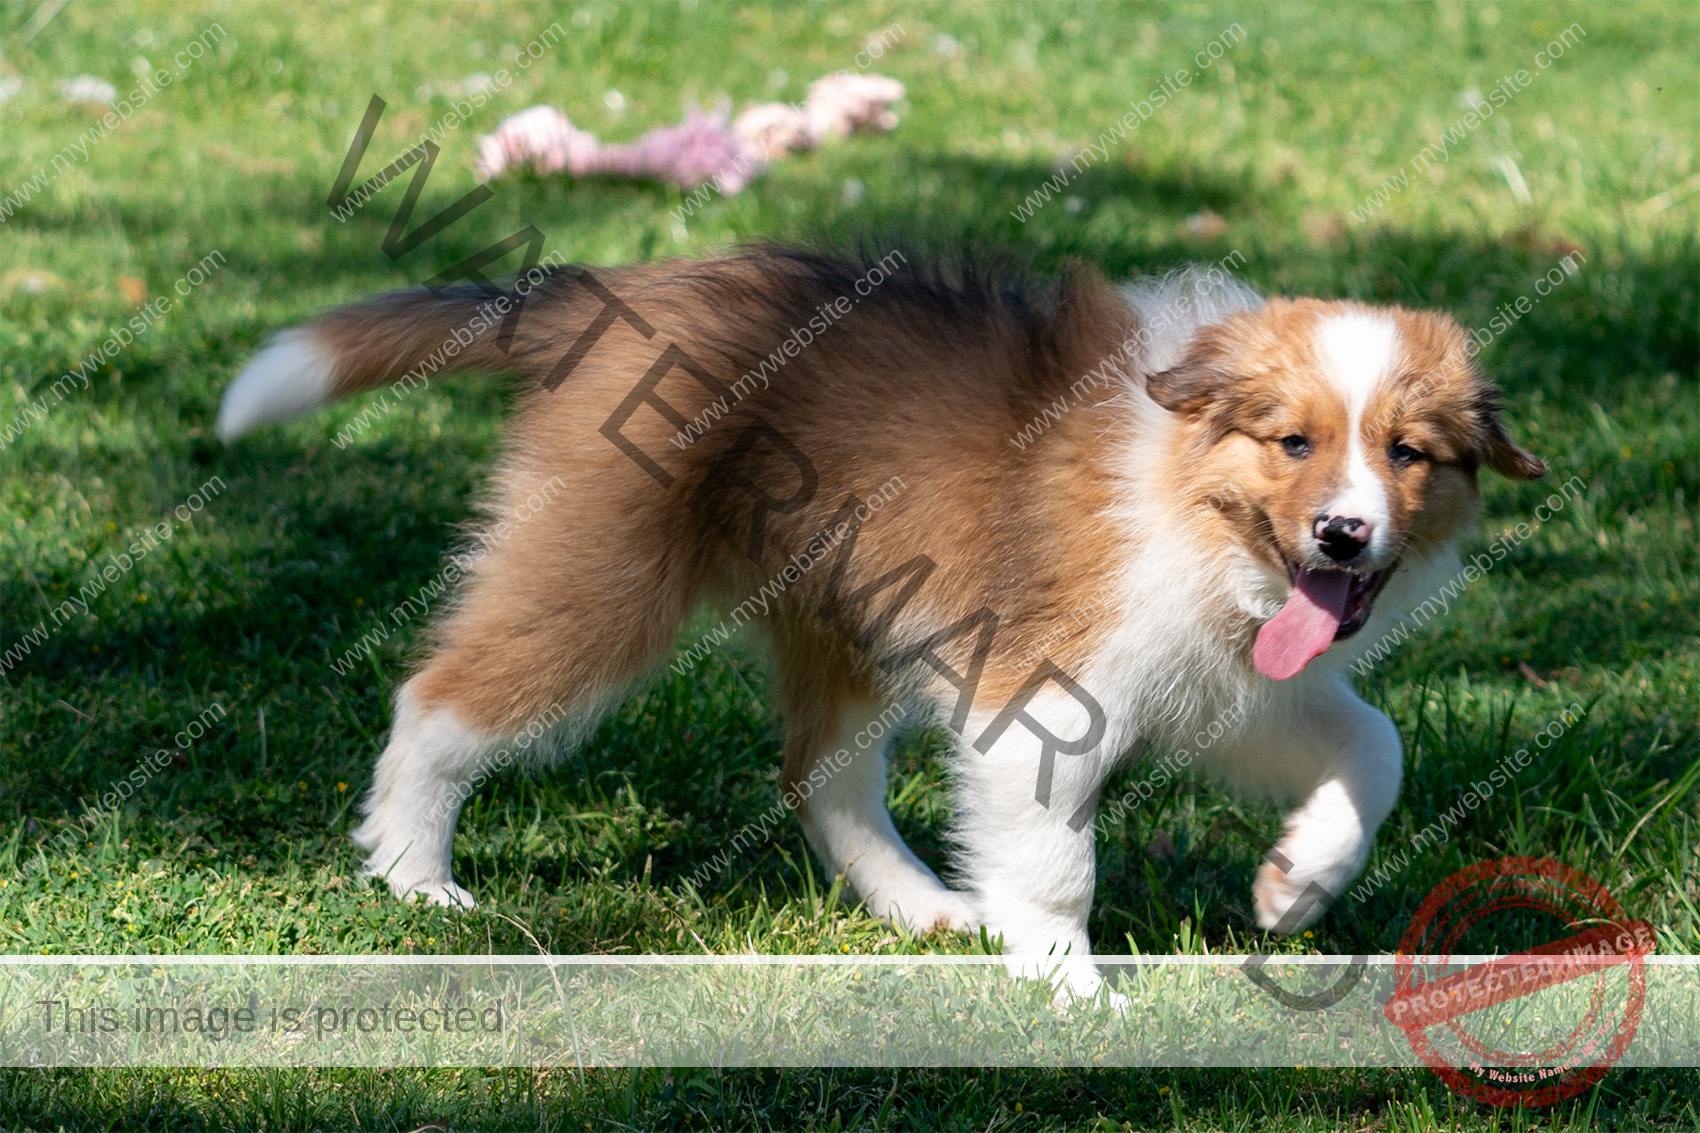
(1337, 447)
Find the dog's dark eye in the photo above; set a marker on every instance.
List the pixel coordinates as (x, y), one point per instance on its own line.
(1404, 454)
(1295, 445)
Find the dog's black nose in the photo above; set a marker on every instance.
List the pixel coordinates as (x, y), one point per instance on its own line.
(1342, 538)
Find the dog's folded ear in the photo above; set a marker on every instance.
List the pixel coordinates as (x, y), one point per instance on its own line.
(1201, 377)
(1498, 451)
(1188, 387)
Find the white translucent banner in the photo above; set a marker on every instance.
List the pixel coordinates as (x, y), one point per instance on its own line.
(1536, 1016)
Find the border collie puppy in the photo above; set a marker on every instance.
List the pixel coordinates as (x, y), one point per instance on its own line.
(921, 471)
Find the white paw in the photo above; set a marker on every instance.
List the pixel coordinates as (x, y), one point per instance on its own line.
(944, 908)
(405, 882)
(1273, 895)
(444, 893)
(1074, 980)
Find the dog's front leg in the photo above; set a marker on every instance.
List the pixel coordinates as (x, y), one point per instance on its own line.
(1343, 758)
(1025, 832)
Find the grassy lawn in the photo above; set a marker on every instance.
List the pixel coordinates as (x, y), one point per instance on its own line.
(238, 842)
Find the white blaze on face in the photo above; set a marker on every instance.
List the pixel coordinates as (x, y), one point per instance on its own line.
(1357, 353)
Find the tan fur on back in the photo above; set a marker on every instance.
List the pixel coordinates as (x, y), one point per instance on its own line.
(592, 593)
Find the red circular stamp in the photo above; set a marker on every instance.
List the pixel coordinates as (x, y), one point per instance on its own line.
(1434, 998)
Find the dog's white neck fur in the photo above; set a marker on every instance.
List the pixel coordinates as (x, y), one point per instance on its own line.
(1162, 672)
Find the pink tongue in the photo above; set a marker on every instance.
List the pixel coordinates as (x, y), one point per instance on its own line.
(1305, 627)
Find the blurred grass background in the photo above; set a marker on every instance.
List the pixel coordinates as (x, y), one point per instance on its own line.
(239, 844)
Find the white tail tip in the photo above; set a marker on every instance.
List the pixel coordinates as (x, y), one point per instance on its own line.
(290, 377)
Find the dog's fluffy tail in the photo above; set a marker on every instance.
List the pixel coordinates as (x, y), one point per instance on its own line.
(407, 336)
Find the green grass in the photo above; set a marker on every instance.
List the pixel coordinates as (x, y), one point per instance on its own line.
(240, 846)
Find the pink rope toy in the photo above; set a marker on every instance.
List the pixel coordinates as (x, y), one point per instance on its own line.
(704, 147)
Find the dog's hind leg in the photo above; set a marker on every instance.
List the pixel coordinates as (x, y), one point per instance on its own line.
(435, 758)
(837, 736)
(547, 636)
